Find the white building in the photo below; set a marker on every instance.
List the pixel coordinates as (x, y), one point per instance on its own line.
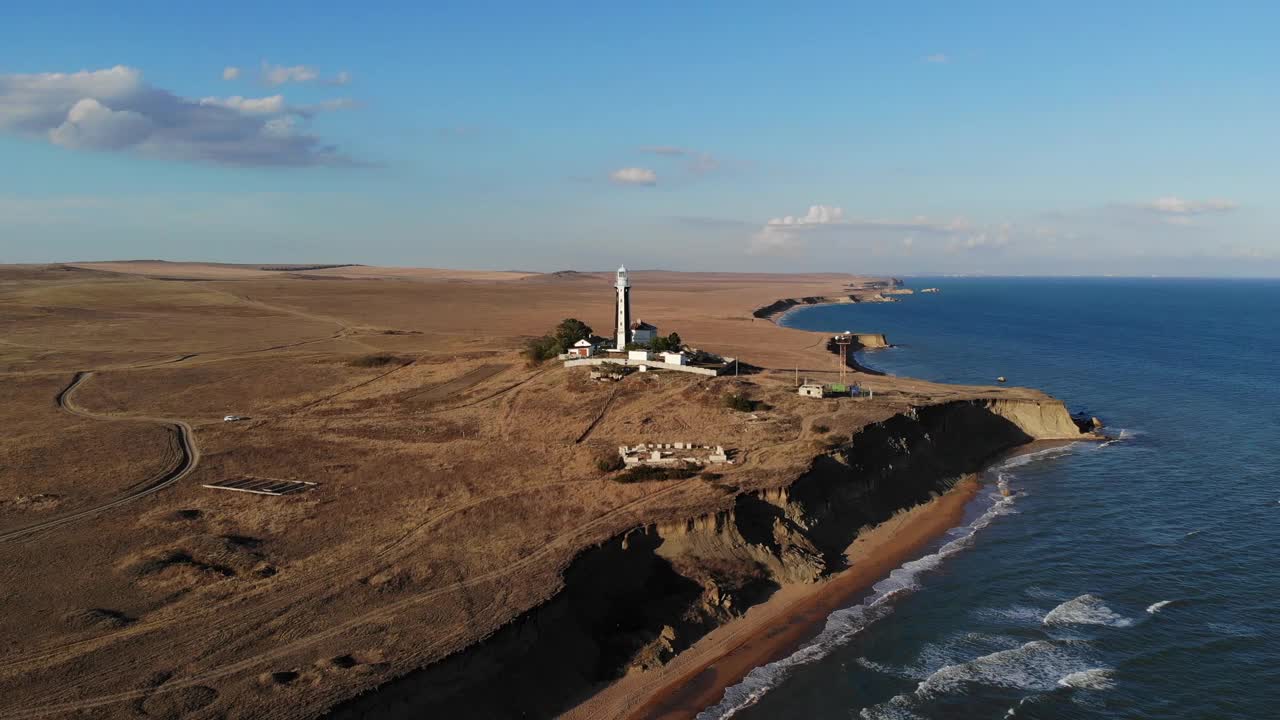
(639, 355)
(811, 390)
(582, 349)
(642, 333)
(674, 358)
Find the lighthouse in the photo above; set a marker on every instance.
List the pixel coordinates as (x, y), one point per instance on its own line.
(623, 307)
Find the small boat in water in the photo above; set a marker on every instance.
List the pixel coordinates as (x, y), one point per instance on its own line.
(1000, 379)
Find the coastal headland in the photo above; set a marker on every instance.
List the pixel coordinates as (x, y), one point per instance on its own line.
(466, 549)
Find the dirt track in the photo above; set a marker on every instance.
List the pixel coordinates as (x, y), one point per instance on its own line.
(188, 458)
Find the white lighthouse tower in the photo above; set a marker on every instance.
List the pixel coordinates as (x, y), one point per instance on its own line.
(623, 308)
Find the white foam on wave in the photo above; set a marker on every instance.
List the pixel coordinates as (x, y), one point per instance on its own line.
(1123, 435)
(1047, 453)
(936, 655)
(1085, 610)
(1154, 608)
(1037, 666)
(1091, 679)
(844, 624)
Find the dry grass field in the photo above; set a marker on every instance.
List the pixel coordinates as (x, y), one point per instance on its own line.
(451, 494)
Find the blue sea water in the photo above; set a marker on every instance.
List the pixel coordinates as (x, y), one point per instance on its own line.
(1140, 579)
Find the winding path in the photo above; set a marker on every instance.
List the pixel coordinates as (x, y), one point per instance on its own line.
(189, 458)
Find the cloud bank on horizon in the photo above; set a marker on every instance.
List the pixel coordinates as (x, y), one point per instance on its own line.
(115, 110)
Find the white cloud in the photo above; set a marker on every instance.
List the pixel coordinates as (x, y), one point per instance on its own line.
(634, 176)
(789, 233)
(276, 105)
(92, 126)
(1172, 210)
(782, 234)
(115, 110)
(1177, 206)
(817, 215)
(230, 72)
(249, 106)
(279, 74)
(937, 58)
(990, 238)
(274, 75)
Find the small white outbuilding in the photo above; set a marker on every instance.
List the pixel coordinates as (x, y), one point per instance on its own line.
(811, 390)
(674, 358)
(582, 349)
(639, 355)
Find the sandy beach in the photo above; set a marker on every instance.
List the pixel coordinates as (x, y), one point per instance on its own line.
(697, 677)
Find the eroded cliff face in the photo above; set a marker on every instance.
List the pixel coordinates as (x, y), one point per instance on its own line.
(642, 597)
(800, 532)
(777, 307)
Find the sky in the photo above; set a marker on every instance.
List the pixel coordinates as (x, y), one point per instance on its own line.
(909, 138)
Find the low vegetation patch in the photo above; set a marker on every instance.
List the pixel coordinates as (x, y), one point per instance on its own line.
(740, 402)
(374, 361)
(612, 463)
(821, 429)
(660, 344)
(653, 473)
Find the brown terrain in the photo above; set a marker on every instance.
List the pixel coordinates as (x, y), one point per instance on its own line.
(461, 553)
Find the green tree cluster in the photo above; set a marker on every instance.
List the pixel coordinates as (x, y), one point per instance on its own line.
(558, 341)
(670, 343)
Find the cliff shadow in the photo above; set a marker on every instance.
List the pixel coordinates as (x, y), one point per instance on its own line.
(617, 607)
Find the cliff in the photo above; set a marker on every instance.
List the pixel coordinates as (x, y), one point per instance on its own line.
(636, 600)
(778, 307)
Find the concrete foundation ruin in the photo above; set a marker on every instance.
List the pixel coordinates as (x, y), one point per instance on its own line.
(673, 454)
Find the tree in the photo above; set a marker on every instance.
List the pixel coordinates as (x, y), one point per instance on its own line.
(670, 343)
(541, 348)
(570, 331)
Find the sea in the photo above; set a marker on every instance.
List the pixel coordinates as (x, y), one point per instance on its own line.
(1137, 578)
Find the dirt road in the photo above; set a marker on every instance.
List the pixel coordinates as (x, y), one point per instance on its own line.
(189, 456)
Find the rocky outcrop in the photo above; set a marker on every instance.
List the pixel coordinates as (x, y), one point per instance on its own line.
(637, 600)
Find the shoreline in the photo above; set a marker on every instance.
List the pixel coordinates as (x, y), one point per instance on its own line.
(697, 678)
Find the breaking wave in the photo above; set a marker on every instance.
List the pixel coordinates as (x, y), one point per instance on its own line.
(1085, 610)
(1037, 666)
(1154, 608)
(844, 624)
(1091, 679)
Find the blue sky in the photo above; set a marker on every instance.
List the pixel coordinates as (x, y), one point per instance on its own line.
(1043, 138)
